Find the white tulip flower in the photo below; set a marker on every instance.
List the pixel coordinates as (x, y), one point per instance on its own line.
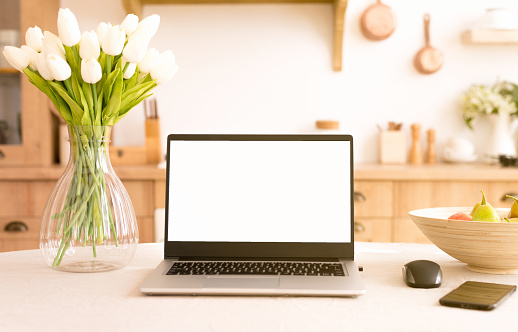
(148, 61)
(68, 27)
(16, 57)
(130, 69)
(59, 68)
(135, 49)
(164, 69)
(43, 69)
(148, 27)
(129, 25)
(91, 71)
(52, 45)
(101, 31)
(34, 38)
(113, 41)
(89, 47)
(32, 54)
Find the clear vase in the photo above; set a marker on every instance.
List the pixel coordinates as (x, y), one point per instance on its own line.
(89, 223)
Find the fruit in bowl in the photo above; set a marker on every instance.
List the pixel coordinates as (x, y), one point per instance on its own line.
(483, 211)
(485, 246)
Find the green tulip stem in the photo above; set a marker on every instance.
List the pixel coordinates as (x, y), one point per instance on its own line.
(94, 95)
(69, 88)
(125, 67)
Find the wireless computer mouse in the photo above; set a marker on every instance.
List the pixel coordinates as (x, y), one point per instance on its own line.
(422, 274)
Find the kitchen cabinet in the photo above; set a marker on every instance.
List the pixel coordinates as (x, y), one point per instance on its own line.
(30, 123)
(339, 9)
(408, 188)
(384, 194)
(24, 193)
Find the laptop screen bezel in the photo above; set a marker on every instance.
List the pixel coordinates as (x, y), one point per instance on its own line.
(192, 249)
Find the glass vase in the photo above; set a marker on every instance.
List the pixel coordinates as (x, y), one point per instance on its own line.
(89, 223)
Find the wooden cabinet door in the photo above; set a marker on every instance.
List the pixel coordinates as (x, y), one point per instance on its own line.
(413, 195)
(372, 230)
(373, 198)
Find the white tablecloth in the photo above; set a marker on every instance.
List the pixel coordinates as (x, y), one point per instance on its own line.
(34, 297)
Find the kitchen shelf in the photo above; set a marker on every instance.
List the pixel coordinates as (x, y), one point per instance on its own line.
(340, 6)
(5, 70)
(490, 36)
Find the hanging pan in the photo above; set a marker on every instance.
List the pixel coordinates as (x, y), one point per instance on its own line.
(428, 60)
(378, 22)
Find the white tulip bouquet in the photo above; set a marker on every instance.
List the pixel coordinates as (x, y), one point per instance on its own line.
(94, 79)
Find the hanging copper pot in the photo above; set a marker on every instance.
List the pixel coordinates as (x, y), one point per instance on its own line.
(378, 22)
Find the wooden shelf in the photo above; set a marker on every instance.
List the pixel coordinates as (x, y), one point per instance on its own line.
(5, 70)
(340, 6)
(489, 36)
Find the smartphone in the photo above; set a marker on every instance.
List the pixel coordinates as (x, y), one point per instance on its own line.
(477, 295)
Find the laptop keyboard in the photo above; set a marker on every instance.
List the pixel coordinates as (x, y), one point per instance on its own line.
(256, 268)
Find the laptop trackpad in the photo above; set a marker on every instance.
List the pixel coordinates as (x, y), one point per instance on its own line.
(229, 282)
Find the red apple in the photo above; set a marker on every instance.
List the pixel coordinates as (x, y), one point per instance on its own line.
(460, 216)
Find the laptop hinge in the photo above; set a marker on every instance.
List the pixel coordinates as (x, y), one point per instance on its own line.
(275, 259)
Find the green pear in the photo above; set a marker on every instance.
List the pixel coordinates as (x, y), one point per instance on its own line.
(514, 208)
(474, 209)
(485, 211)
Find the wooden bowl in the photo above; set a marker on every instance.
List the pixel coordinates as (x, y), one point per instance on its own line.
(487, 247)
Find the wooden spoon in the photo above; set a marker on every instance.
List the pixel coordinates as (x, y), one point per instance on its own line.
(378, 22)
(428, 60)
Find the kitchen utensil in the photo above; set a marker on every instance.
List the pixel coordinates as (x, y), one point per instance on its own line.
(416, 155)
(428, 60)
(378, 22)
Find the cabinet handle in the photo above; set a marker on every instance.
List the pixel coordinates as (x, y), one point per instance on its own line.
(505, 198)
(2, 154)
(358, 196)
(358, 227)
(16, 227)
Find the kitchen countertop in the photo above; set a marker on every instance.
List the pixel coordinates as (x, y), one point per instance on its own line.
(38, 298)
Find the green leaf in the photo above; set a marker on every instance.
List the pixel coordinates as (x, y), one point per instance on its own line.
(74, 62)
(87, 91)
(108, 85)
(137, 90)
(114, 100)
(77, 112)
(124, 111)
(132, 81)
(136, 95)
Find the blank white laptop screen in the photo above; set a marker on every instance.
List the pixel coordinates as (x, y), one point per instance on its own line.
(260, 191)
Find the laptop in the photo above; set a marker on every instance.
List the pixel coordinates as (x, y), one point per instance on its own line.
(258, 215)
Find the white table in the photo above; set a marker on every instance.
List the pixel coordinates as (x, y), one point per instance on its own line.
(34, 297)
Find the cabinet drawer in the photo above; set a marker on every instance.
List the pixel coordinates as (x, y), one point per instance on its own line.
(142, 197)
(413, 195)
(373, 198)
(24, 198)
(372, 230)
(28, 198)
(496, 191)
(19, 233)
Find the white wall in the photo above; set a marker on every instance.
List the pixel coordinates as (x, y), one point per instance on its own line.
(267, 68)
